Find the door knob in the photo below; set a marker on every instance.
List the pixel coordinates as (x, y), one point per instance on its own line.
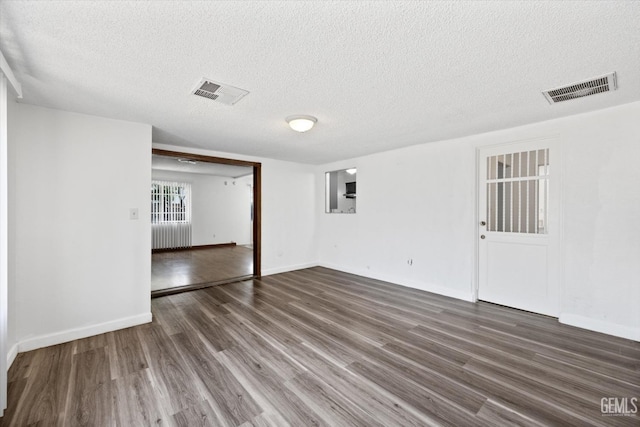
(482, 236)
(483, 223)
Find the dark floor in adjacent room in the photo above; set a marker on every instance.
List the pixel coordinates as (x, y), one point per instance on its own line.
(321, 347)
(199, 265)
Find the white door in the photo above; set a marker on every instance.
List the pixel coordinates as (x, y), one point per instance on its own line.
(518, 231)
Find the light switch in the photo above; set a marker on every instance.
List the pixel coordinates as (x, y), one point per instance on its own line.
(133, 213)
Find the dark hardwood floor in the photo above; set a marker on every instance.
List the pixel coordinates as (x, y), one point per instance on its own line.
(320, 347)
(190, 267)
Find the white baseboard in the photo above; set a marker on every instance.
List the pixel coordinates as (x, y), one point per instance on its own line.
(597, 325)
(436, 289)
(11, 355)
(84, 332)
(278, 270)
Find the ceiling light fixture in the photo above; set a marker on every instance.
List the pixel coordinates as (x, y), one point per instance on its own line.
(191, 162)
(301, 123)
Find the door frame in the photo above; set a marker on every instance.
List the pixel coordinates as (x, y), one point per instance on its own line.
(257, 195)
(555, 140)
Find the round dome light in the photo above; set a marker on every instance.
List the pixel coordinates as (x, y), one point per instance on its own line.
(301, 123)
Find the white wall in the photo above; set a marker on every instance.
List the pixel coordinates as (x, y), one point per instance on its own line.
(414, 203)
(220, 213)
(419, 203)
(81, 266)
(602, 221)
(288, 211)
(12, 338)
(4, 242)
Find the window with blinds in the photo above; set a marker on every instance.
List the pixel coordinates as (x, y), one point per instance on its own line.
(517, 192)
(170, 202)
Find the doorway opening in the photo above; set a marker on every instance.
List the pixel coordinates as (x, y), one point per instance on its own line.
(205, 219)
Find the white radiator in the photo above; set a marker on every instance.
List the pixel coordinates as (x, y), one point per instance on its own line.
(170, 215)
(170, 235)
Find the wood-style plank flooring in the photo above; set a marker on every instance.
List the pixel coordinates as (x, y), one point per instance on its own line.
(190, 267)
(318, 347)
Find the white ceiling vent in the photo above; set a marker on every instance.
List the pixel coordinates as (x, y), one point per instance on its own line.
(605, 83)
(219, 92)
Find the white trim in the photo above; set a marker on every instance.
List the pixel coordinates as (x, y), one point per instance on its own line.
(428, 287)
(278, 270)
(4, 242)
(84, 332)
(479, 145)
(6, 70)
(11, 355)
(475, 276)
(600, 326)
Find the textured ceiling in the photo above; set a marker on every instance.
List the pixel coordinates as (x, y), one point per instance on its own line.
(377, 75)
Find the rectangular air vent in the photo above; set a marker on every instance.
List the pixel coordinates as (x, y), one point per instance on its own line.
(581, 89)
(219, 92)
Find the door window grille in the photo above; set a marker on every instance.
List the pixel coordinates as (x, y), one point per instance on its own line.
(518, 192)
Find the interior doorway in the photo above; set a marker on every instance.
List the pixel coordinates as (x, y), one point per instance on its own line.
(205, 219)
